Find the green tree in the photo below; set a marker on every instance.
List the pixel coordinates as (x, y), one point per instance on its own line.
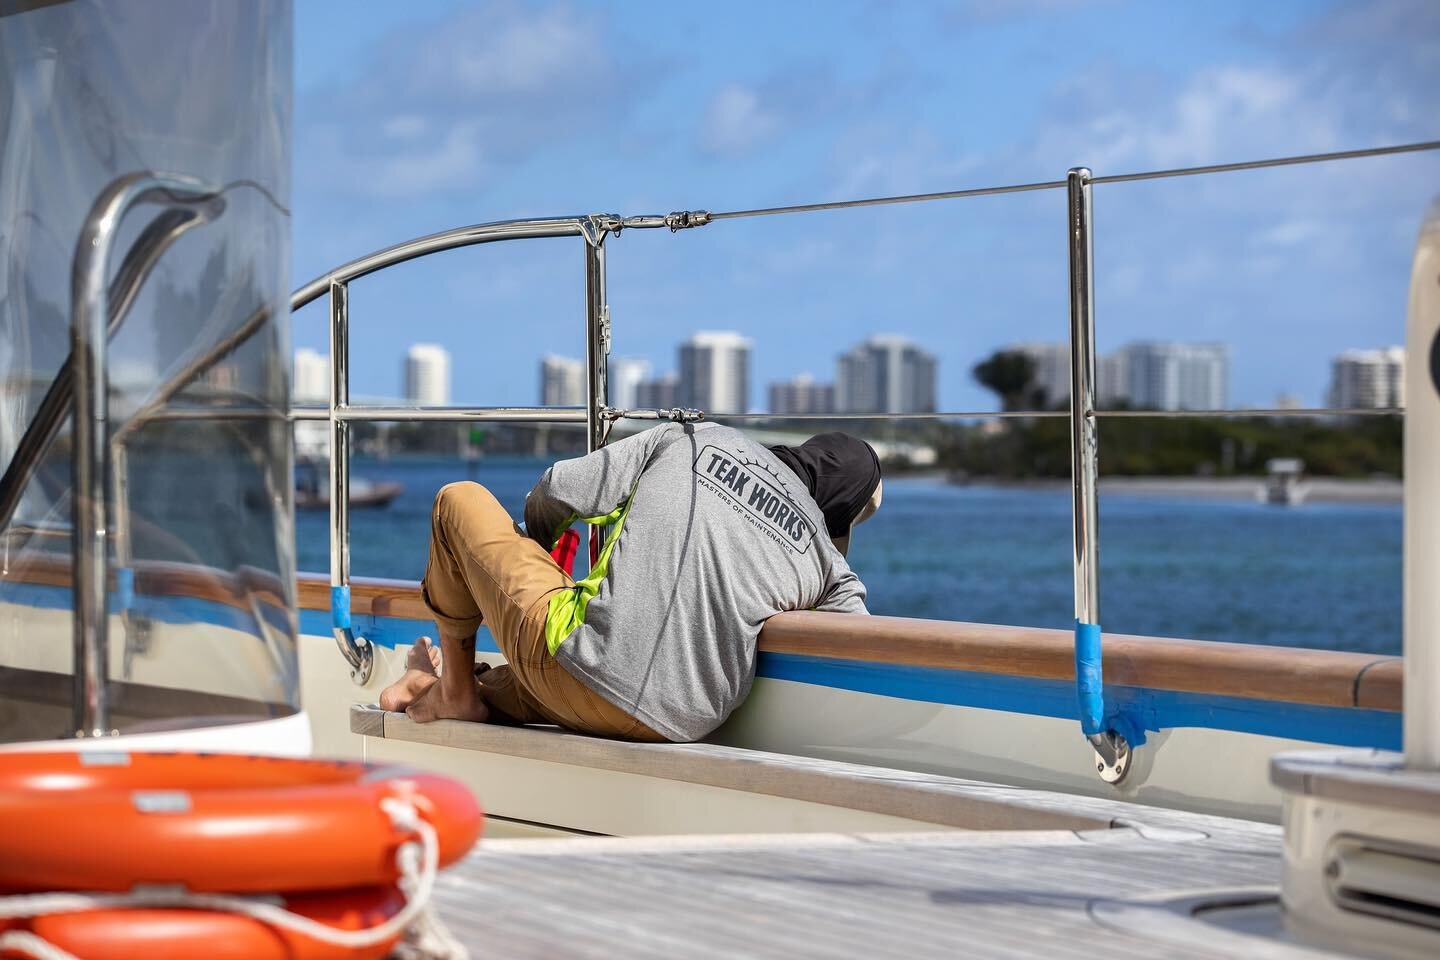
(1010, 375)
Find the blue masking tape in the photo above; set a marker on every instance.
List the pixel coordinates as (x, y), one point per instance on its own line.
(1089, 680)
(340, 606)
(1126, 721)
(124, 588)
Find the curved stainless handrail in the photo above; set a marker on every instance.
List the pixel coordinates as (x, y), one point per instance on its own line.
(592, 227)
(436, 243)
(89, 333)
(356, 650)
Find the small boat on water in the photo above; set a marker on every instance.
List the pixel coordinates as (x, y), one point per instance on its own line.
(312, 489)
(1283, 486)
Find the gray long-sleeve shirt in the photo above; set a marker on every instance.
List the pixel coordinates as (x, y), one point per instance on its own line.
(718, 537)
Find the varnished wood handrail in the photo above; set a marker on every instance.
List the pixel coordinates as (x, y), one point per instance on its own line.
(166, 578)
(1330, 678)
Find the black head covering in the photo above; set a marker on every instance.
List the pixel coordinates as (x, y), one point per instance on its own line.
(840, 471)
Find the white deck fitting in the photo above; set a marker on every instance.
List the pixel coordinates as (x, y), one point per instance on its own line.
(1017, 887)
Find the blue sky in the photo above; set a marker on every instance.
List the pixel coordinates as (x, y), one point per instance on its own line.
(416, 117)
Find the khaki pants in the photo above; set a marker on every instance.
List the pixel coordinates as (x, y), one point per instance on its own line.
(482, 569)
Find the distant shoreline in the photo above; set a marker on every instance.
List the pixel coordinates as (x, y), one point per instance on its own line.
(1317, 490)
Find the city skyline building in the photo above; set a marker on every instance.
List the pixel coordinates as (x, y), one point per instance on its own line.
(1052, 373)
(625, 376)
(1167, 375)
(1289, 401)
(1052, 369)
(562, 381)
(661, 393)
(801, 395)
(309, 385)
(1112, 380)
(427, 375)
(1368, 379)
(890, 374)
(886, 373)
(310, 376)
(715, 372)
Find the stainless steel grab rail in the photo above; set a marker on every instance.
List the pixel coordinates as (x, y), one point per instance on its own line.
(89, 334)
(356, 650)
(436, 243)
(596, 414)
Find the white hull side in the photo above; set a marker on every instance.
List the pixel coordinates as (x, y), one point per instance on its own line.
(282, 737)
(199, 658)
(1201, 770)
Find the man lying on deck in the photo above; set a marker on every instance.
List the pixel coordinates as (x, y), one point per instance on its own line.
(711, 534)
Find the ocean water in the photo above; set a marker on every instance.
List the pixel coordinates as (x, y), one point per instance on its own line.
(1318, 575)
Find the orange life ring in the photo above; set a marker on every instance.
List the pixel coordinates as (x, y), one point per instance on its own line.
(175, 934)
(214, 822)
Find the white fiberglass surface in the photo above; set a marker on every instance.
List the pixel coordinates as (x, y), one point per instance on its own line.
(199, 502)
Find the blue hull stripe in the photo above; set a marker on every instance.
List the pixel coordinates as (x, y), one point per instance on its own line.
(1149, 709)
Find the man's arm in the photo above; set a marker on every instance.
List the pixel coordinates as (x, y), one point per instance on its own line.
(589, 486)
(846, 594)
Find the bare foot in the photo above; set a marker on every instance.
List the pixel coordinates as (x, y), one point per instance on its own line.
(433, 704)
(404, 691)
(424, 655)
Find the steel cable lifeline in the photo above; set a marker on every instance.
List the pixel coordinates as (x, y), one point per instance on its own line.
(1061, 184)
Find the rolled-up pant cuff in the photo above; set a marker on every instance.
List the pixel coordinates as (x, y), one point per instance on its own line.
(462, 626)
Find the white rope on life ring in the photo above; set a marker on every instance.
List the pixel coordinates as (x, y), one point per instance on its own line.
(417, 866)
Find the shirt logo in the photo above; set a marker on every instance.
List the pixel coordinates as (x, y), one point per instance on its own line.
(755, 494)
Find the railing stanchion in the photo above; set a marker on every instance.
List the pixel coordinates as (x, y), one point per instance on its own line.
(356, 650)
(597, 341)
(1112, 752)
(597, 350)
(90, 462)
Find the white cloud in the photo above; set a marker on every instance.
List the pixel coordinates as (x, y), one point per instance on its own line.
(1291, 233)
(504, 50)
(405, 126)
(1219, 114)
(881, 159)
(1225, 104)
(736, 121)
(442, 105)
(980, 12)
(423, 168)
(741, 117)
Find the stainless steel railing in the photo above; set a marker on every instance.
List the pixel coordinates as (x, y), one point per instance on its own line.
(101, 304)
(1112, 750)
(596, 414)
(356, 650)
